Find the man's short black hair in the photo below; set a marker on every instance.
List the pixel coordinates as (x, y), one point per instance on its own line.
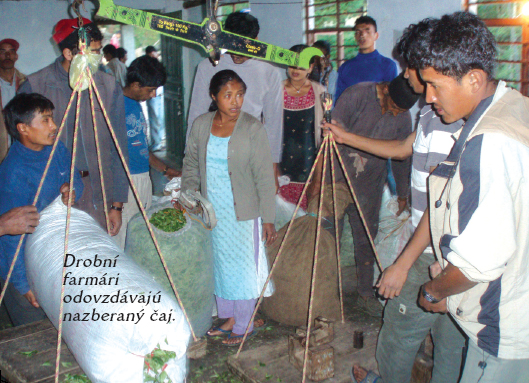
(147, 71)
(459, 43)
(413, 37)
(323, 45)
(93, 33)
(121, 53)
(150, 49)
(366, 20)
(111, 50)
(242, 24)
(22, 109)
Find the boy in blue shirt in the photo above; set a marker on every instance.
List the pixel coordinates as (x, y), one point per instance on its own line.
(29, 121)
(144, 76)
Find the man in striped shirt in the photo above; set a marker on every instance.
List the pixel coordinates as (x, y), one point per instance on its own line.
(478, 205)
(405, 323)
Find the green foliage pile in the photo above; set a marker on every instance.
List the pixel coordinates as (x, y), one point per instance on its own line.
(189, 257)
(155, 365)
(69, 378)
(168, 220)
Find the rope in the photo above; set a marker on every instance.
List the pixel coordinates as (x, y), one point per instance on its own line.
(67, 236)
(337, 237)
(274, 264)
(362, 217)
(332, 142)
(199, 221)
(98, 151)
(37, 194)
(316, 253)
(140, 205)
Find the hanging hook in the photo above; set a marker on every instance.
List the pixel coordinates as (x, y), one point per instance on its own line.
(75, 7)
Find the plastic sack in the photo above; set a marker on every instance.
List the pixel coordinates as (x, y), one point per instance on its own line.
(189, 256)
(285, 211)
(394, 231)
(79, 64)
(101, 323)
(173, 187)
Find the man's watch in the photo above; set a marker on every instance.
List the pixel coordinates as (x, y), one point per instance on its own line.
(429, 297)
(116, 208)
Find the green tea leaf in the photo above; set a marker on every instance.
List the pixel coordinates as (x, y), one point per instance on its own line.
(28, 353)
(69, 378)
(168, 220)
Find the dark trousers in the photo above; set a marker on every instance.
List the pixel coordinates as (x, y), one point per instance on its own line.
(18, 307)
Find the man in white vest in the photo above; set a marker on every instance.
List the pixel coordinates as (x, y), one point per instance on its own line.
(478, 205)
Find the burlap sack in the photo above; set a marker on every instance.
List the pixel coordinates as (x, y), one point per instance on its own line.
(293, 273)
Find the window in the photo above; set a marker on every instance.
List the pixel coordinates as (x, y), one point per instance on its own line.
(510, 29)
(333, 21)
(225, 9)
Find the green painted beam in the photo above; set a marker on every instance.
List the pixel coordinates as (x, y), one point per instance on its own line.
(196, 34)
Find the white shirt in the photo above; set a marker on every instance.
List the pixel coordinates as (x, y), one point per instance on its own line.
(8, 90)
(263, 98)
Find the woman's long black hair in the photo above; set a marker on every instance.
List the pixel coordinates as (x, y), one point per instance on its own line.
(218, 81)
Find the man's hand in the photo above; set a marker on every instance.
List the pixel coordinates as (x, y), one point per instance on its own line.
(114, 218)
(31, 299)
(392, 280)
(269, 233)
(432, 307)
(20, 220)
(435, 269)
(403, 204)
(336, 130)
(171, 173)
(178, 206)
(65, 191)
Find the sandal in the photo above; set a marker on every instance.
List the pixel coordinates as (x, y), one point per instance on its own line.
(371, 377)
(224, 332)
(231, 336)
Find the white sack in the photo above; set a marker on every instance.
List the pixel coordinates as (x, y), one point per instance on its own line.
(107, 351)
(394, 231)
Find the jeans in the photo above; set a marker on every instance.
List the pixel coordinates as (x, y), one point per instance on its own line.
(405, 327)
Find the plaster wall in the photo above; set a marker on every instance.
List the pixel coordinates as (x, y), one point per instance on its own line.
(31, 23)
(393, 16)
(281, 22)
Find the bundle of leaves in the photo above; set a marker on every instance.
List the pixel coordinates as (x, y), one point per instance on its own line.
(69, 378)
(155, 365)
(189, 257)
(168, 220)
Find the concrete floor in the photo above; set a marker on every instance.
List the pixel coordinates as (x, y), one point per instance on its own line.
(213, 368)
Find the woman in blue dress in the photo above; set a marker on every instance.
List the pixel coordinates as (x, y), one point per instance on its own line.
(228, 159)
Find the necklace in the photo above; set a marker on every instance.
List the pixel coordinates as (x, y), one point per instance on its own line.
(301, 87)
(220, 124)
